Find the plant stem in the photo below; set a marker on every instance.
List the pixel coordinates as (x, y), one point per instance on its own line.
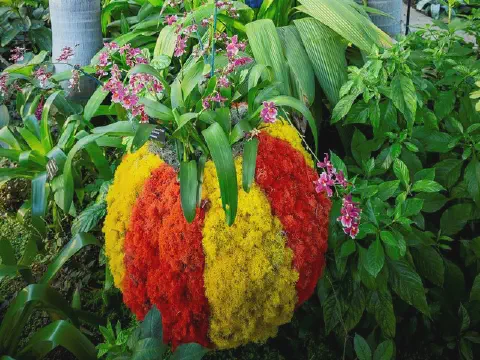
(212, 60)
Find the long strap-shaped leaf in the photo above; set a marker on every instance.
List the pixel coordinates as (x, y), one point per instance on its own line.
(77, 243)
(300, 107)
(39, 206)
(267, 49)
(327, 55)
(222, 156)
(344, 19)
(45, 133)
(299, 63)
(19, 312)
(59, 333)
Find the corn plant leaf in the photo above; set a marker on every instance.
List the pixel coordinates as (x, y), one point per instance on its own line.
(344, 19)
(250, 151)
(303, 77)
(326, 51)
(222, 156)
(77, 243)
(188, 189)
(59, 333)
(267, 49)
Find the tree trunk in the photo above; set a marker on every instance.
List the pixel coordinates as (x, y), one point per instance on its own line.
(391, 25)
(77, 24)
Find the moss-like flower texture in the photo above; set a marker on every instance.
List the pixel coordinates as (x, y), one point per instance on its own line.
(248, 266)
(217, 285)
(130, 176)
(284, 131)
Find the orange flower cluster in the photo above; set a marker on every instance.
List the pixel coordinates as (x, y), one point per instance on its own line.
(287, 180)
(165, 263)
(216, 285)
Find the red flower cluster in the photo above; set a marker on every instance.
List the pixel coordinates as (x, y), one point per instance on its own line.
(287, 180)
(165, 263)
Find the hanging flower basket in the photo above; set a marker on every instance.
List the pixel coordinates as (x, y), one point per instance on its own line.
(217, 285)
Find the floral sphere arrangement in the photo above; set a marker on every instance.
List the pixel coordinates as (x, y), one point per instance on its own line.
(218, 285)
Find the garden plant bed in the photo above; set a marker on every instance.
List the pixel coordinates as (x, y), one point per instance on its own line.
(237, 180)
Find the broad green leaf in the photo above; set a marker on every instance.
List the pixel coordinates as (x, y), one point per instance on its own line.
(429, 263)
(389, 238)
(222, 156)
(188, 189)
(338, 164)
(94, 103)
(384, 351)
(344, 19)
(455, 218)
(401, 172)
(342, 108)
(348, 248)
(408, 285)
(149, 349)
(375, 258)
(432, 202)
(250, 150)
(301, 108)
(332, 313)
(447, 172)
(166, 42)
(267, 49)
(475, 292)
(387, 189)
(444, 103)
(299, 64)
(190, 351)
(89, 218)
(151, 326)
(326, 50)
(157, 110)
(59, 333)
(45, 132)
(361, 348)
(404, 97)
(428, 186)
(382, 308)
(192, 77)
(355, 307)
(472, 179)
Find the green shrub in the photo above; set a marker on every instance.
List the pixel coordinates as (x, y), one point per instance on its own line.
(412, 273)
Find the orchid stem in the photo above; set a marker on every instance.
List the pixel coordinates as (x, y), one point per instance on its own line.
(212, 63)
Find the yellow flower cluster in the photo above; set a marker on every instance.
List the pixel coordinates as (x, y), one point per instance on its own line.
(281, 129)
(249, 277)
(130, 177)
